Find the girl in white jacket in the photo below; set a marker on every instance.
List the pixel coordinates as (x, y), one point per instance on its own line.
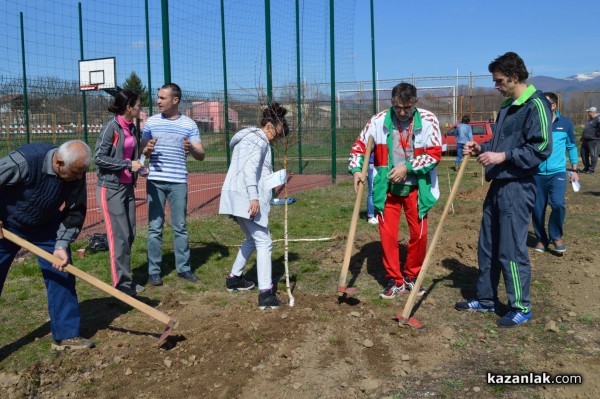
(244, 198)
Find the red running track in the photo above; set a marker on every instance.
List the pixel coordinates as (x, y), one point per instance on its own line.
(204, 192)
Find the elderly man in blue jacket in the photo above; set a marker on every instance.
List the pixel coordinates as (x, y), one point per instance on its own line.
(521, 141)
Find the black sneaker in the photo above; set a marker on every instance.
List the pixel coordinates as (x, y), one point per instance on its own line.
(73, 343)
(189, 276)
(127, 290)
(155, 280)
(235, 284)
(268, 300)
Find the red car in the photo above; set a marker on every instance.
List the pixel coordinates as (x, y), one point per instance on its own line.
(482, 132)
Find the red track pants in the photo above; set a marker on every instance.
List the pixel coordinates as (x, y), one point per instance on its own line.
(389, 225)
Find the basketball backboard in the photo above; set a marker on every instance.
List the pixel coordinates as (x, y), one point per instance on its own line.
(97, 74)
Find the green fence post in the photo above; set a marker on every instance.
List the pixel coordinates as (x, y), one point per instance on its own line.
(166, 44)
(225, 95)
(148, 58)
(269, 67)
(333, 110)
(268, 44)
(299, 87)
(25, 101)
(83, 102)
(373, 61)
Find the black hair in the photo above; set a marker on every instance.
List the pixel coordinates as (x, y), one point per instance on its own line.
(122, 99)
(510, 64)
(405, 92)
(175, 89)
(465, 119)
(553, 97)
(275, 114)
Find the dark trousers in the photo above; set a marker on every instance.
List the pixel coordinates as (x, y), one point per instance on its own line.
(503, 243)
(589, 154)
(63, 306)
(118, 212)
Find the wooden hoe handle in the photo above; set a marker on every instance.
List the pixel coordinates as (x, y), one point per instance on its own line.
(351, 233)
(142, 307)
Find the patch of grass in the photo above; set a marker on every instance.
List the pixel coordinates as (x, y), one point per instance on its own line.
(323, 317)
(453, 383)
(586, 319)
(256, 337)
(459, 344)
(336, 340)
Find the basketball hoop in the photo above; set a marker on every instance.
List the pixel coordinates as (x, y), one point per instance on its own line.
(88, 87)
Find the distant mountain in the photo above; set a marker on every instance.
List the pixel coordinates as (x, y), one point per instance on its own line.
(580, 82)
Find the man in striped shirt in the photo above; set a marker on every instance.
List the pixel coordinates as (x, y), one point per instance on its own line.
(167, 139)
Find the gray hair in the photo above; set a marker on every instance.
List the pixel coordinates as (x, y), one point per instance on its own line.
(73, 150)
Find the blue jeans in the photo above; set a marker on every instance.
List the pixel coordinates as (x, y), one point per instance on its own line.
(159, 192)
(370, 207)
(63, 306)
(459, 152)
(550, 189)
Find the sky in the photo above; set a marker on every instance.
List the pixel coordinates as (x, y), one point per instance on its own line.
(413, 39)
(437, 38)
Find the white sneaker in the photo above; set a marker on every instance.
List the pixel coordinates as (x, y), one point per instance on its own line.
(373, 220)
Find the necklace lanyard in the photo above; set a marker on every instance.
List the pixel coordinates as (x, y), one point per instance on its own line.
(404, 139)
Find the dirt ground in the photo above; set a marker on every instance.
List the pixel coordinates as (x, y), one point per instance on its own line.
(333, 347)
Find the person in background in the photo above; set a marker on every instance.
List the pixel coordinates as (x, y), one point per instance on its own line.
(464, 133)
(589, 141)
(43, 199)
(116, 157)
(408, 147)
(371, 173)
(551, 181)
(522, 140)
(244, 198)
(168, 138)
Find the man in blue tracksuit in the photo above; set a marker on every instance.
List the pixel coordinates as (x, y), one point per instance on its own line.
(551, 181)
(521, 141)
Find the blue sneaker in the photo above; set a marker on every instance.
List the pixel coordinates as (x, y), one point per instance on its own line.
(513, 319)
(473, 305)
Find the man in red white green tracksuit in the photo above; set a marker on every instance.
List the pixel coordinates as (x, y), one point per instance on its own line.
(407, 146)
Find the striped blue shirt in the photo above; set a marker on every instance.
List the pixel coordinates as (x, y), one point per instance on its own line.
(168, 161)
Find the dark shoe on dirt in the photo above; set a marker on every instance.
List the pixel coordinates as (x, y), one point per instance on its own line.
(268, 300)
(189, 276)
(540, 247)
(155, 280)
(73, 343)
(127, 290)
(513, 319)
(235, 283)
(559, 245)
(472, 305)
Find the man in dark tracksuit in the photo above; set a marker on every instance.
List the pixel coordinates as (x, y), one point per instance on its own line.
(43, 199)
(521, 141)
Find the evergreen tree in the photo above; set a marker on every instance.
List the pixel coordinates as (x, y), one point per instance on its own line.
(133, 82)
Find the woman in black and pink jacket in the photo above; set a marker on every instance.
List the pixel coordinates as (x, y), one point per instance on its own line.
(116, 155)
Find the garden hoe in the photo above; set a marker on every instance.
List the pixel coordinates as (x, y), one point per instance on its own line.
(342, 289)
(404, 318)
(142, 307)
